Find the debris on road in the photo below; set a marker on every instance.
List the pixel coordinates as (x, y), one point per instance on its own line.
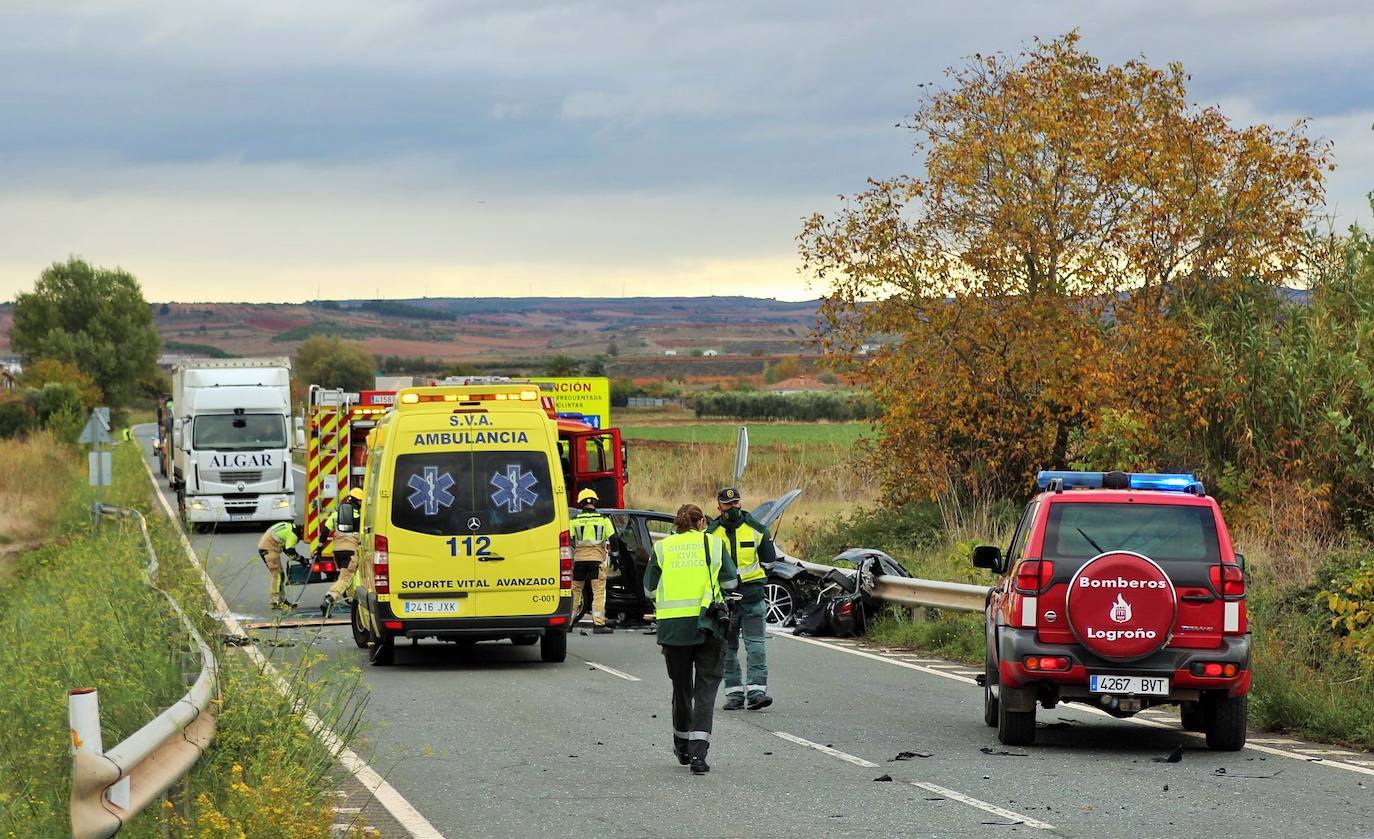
(987, 750)
(1176, 756)
(1222, 773)
(910, 755)
(884, 778)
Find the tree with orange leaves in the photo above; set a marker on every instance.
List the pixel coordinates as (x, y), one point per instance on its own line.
(1030, 279)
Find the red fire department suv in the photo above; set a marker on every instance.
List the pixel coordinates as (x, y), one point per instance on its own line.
(1121, 591)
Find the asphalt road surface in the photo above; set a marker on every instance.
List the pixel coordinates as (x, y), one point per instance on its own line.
(489, 741)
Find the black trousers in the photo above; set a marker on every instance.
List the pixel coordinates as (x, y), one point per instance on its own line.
(696, 672)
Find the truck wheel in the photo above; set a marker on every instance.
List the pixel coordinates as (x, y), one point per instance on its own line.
(1193, 715)
(360, 636)
(383, 651)
(553, 647)
(1014, 728)
(1226, 723)
(989, 698)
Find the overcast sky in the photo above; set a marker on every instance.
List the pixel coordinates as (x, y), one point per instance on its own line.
(270, 150)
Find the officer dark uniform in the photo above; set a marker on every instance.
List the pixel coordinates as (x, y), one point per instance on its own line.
(689, 571)
(750, 547)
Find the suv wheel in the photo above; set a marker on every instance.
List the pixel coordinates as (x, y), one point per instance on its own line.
(553, 647)
(1015, 728)
(780, 602)
(989, 698)
(1226, 724)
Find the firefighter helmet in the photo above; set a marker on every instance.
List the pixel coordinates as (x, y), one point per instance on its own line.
(355, 494)
(587, 495)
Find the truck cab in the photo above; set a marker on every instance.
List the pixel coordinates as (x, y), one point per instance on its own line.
(230, 440)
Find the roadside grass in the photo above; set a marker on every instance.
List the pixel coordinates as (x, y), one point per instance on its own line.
(760, 433)
(76, 614)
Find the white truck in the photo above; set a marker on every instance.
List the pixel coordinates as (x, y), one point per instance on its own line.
(231, 459)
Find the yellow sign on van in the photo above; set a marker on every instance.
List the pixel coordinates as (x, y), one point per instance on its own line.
(585, 398)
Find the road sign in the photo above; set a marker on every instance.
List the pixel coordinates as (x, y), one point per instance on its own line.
(97, 430)
(587, 399)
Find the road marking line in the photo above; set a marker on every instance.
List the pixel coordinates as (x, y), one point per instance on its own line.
(614, 672)
(862, 654)
(1172, 726)
(1276, 741)
(948, 666)
(1326, 752)
(348, 810)
(384, 793)
(983, 805)
(801, 741)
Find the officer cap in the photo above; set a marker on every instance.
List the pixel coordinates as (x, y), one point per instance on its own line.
(729, 495)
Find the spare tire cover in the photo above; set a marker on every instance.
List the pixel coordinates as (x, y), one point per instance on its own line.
(1121, 606)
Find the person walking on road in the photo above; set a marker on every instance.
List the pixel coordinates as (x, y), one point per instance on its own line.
(687, 577)
(282, 536)
(591, 532)
(342, 524)
(750, 547)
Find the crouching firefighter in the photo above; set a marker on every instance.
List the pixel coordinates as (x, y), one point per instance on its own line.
(688, 576)
(591, 532)
(342, 524)
(750, 547)
(282, 536)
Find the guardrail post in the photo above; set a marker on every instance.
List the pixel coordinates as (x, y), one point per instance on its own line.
(91, 772)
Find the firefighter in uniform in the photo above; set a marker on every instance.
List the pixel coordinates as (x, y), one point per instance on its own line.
(282, 536)
(750, 547)
(342, 524)
(687, 577)
(591, 534)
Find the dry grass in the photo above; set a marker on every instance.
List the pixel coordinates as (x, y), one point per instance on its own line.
(34, 482)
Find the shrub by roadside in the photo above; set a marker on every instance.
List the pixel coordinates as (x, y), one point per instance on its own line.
(76, 614)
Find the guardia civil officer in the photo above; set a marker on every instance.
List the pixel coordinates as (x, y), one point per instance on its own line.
(750, 546)
(687, 577)
(591, 533)
(282, 536)
(342, 525)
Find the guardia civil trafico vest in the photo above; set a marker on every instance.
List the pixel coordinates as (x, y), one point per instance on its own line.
(689, 577)
(744, 547)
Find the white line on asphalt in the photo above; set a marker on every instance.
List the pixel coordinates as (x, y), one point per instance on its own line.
(1275, 741)
(801, 741)
(1343, 752)
(1136, 720)
(385, 794)
(863, 654)
(614, 672)
(983, 805)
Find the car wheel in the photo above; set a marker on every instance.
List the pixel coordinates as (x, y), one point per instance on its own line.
(553, 647)
(524, 640)
(360, 636)
(1193, 715)
(1014, 728)
(1226, 723)
(383, 651)
(780, 602)
(989, 698)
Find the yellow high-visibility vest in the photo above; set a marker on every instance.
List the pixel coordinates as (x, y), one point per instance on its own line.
(689, 577)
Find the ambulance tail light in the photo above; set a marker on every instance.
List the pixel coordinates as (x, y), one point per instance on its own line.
(381, 565)
(565, 561)
(1034, 575)
(1228, 580)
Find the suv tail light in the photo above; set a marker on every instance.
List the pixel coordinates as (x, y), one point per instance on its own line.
(1033, 576)
(1228, 580)
(565, 561)
(1046, 662)
(1216, 669)
(381, 565)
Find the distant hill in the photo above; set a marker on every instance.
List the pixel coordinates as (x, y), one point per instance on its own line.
(501, 328)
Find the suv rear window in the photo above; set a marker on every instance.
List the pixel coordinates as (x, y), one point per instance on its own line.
(439, 493)
(1163, 532)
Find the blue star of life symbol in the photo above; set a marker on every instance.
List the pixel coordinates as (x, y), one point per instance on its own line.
(430, 490)
(514, 490)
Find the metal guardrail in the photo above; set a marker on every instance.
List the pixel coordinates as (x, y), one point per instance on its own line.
(911, 591)
(110, 787)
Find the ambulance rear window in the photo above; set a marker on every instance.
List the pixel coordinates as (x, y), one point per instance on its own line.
(456, 493)
(1163, 532)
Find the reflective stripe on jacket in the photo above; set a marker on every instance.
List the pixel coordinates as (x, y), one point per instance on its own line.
(281, 535)
(744, 547)
(688, 577)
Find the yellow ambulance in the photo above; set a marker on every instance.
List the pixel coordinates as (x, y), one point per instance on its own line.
(464, 524)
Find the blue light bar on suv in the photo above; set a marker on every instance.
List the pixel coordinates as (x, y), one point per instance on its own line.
(1140, 481)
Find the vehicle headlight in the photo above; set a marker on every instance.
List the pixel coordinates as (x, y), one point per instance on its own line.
(282, 503)
(199, 505)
